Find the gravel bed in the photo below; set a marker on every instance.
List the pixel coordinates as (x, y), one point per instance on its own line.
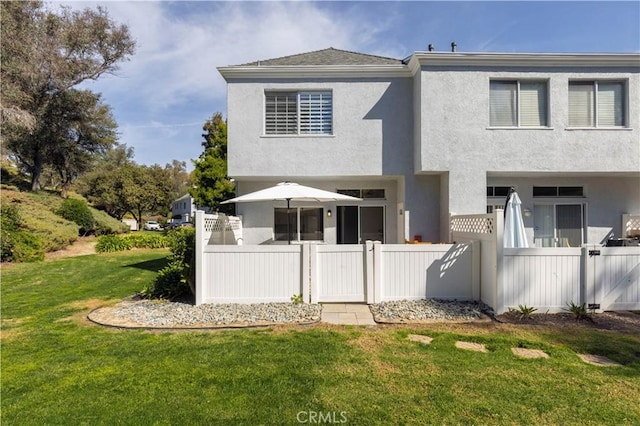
(169, 314)
(429, 309)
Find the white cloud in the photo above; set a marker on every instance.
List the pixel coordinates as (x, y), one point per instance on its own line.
(179, 45)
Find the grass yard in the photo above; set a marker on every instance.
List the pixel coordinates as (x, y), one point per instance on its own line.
(57, 368)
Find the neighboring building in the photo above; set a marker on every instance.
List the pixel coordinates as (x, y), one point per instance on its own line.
(182, 210)
(436, 134)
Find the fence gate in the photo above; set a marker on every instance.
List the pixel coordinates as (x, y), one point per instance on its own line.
(338, 273)
(612, 278)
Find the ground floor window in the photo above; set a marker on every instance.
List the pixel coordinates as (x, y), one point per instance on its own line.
(558, 225)
(301, 224)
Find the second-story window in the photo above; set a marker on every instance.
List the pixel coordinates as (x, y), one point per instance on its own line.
(596, 104)
(298, 113)
(515, 103)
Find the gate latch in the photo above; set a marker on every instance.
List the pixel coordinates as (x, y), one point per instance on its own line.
(594, 252)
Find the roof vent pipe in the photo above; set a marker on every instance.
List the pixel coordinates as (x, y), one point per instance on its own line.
(431, 48)
(453, 46)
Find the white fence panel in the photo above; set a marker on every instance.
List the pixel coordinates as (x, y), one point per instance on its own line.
(339, 273)
(251, 274)
(544, 278)
(617, 277)
(426, 271)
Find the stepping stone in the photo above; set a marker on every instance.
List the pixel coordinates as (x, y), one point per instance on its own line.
(598, 360)
(529, 353)
(420, 338)
(478, 347)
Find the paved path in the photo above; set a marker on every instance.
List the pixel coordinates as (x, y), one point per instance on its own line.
(347, 313)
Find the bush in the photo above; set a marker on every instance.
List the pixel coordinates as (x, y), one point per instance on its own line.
(111, 243)
(77, 211)
(23, 247)
(16, 244)
(178, 278)
(147, 240)
(106, 225)
(169, 283)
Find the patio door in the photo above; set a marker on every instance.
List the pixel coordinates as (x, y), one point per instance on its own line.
(558, 225)
(357, 224)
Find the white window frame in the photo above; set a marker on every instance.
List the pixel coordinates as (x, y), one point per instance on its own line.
(595, 113)
(319, 127)
(518, 103)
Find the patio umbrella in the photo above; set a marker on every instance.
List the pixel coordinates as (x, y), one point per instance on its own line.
(514, 233)
(291, 191)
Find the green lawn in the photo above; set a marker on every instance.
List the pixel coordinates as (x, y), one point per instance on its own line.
(59, 369)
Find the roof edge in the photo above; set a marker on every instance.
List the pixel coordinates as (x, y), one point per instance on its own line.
(524, 59)
(297, 71)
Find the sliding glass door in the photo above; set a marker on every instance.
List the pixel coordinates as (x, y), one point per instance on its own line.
(558, 225)
(357, 224)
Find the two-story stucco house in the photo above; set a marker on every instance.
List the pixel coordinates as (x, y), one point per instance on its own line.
(435, 134)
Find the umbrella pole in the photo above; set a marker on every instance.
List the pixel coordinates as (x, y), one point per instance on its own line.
(288, 222)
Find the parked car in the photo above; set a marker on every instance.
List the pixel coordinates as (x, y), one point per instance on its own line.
(152, 225)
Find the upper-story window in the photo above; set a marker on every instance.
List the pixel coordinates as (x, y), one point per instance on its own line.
(298, 113)
(596, 104)
(518, 103)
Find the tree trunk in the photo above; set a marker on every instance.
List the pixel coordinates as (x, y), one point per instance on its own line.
(36, 172)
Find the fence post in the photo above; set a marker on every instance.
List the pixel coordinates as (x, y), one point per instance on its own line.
(368, 271)
(314, 282)
(499, 240)
(475, 269)
(306, 276)
(377, 272)
(199, 257)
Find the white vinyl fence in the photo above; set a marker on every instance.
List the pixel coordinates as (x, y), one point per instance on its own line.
(475, 267)
(549, 279)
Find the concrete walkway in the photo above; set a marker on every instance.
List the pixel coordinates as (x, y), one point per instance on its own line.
(347, 313)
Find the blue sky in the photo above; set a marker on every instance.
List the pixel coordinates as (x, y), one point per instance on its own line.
(163, 95)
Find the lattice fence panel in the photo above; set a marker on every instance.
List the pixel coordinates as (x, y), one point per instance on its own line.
(473, 224)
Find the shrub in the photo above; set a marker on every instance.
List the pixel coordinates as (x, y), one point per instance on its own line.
(169, 283)
(178, 278)
(147, 240)
(106, 225)
(77, 211)
(111, 243)
(16, 244)
(24, 247)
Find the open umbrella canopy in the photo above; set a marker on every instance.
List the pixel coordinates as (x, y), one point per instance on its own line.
(514, 232)
(291, 191)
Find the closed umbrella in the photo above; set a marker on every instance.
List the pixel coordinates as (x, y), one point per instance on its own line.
(291, 191)
(514, 232)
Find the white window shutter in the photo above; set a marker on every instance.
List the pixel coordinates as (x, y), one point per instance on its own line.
(533, 103)
(581, 104)
(610, 104)
(502, 103)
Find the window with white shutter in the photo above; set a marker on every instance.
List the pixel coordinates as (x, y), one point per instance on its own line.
(298, 113)
(597, 104)
(514, 103)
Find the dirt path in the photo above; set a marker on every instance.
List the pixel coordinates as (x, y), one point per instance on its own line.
(82, 246)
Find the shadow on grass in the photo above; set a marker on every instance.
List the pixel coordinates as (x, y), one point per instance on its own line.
(620, 347)
(150, 265)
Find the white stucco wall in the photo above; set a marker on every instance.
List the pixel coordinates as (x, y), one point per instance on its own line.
(606, 199)
(455, 134)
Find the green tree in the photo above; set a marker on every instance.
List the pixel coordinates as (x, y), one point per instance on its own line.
(101, 184)
(80, 126)
(211, 185)
(180, 178)
(44, 56)
(130, 188)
